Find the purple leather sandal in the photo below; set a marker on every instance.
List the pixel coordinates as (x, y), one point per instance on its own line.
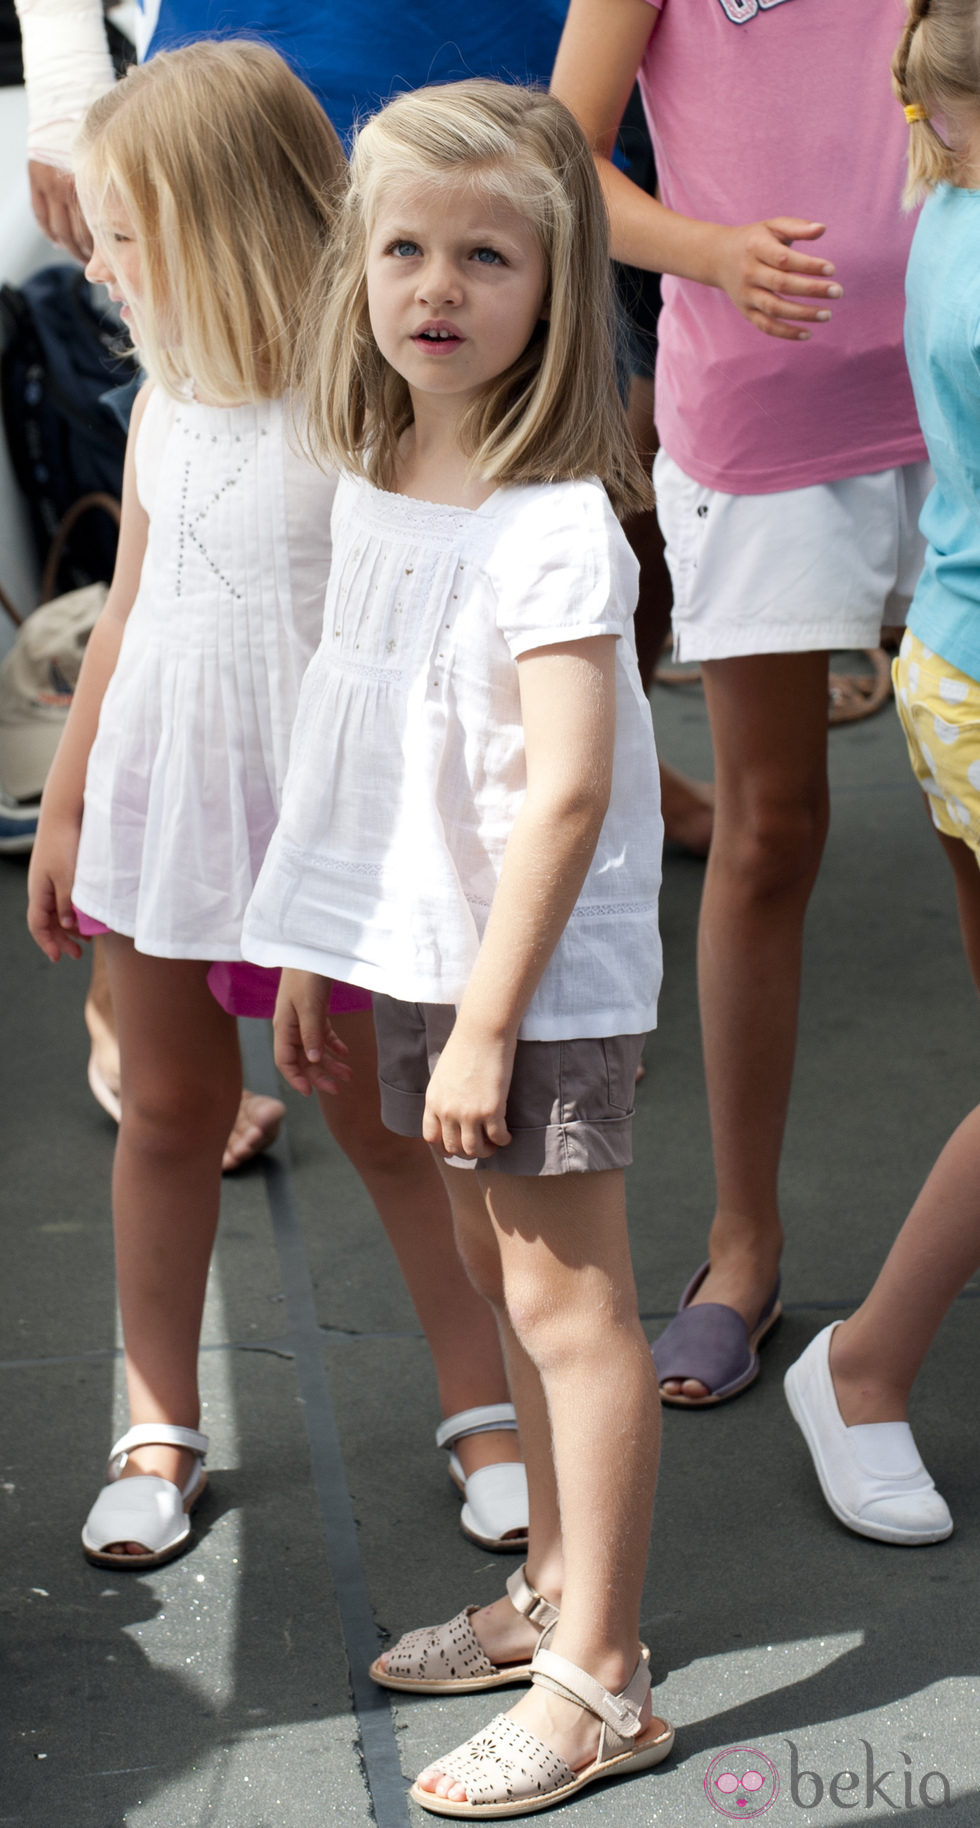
(712, 1343)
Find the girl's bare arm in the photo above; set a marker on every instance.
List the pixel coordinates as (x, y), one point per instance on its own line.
(52, 869)
(756, 264)
(568, 705)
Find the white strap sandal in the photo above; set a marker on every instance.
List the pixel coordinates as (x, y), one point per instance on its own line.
(145, 1508)
(450, 1660)
(494, 1512)
(506, 1770)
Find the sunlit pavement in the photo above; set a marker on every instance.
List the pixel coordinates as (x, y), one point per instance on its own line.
(228, 1690)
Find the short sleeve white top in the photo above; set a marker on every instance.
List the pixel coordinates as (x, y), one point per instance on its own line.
(407, 763)
(184, 778)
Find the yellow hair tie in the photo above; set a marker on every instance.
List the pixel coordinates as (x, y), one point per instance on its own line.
(915, 112)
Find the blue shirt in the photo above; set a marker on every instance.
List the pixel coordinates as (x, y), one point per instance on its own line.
(942, 342)
(356, 56)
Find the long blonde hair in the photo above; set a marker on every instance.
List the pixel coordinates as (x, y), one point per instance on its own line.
(555, 414)
(936, 70)
(229, 171)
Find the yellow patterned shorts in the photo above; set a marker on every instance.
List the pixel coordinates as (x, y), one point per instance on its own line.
(940, 711)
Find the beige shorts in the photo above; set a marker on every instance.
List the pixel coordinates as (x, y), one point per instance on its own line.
(570, 1103)
(940, 711)
(798, 572)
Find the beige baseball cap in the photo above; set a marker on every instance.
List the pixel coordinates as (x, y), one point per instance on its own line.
(37, 679)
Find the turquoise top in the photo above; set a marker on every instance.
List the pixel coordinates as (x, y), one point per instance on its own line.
(942, 341)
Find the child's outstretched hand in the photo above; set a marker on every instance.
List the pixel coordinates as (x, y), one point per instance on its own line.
(303, 1034)
(763, 274)
(466, 1102)
(51, 918)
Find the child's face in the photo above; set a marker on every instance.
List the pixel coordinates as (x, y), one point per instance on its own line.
(116, 259)
(456, 283)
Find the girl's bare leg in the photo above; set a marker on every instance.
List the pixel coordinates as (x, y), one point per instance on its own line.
(877, 1353)
(576, 1341)
(406, 1187)
(966, 877)
(768, 718)
(181, 1077)
(258, 1117)
(687, 805)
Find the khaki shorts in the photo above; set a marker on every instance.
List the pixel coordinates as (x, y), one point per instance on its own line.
(570, 1103)
(940, 711)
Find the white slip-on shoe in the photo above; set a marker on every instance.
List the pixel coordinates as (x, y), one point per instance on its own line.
(871, 1475)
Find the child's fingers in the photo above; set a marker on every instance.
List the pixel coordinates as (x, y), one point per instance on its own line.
(287, 1050)
(497, 1132)
(293, 1069)
(795, 228)
(55, 936)
(330, 1075)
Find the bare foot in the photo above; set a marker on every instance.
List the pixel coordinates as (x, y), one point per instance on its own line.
(173, 1463)
(254, 1129)
(744, 1285)
(688, 809)
(503, 1634)
(566, 1728)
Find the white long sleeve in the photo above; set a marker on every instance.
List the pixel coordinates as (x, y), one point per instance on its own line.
(66, 67)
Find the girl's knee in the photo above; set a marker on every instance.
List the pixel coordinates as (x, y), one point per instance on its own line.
(171, 1121)
(773, 845)
(481, 1261)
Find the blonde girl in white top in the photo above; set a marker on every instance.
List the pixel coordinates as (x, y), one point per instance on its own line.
(208, 177)
(470, 830)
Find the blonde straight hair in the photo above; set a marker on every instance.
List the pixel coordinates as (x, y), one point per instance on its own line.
(555, 415)
(229, 170)
(936, 70)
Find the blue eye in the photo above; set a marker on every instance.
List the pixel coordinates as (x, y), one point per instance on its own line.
(488, 257)
(404, 249)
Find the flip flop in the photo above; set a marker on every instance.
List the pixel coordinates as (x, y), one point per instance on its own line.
(712, 1343)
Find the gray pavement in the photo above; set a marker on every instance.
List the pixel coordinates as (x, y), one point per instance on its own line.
(228, 1690)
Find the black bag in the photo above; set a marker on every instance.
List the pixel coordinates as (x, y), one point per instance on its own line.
(60, 359)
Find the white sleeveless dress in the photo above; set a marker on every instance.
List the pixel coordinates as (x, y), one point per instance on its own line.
(185, 775)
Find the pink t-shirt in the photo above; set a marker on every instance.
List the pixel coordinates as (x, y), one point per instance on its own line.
(761, 108)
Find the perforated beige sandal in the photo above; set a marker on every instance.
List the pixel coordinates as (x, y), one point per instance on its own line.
(508, 1771)
(450, 1660)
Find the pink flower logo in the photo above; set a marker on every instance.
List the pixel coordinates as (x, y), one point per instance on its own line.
(741, 1783)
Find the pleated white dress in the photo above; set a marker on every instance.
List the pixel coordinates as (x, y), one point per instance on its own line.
(407, 768)
(185, 775)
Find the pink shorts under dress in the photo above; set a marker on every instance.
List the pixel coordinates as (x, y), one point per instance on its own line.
(248, 990)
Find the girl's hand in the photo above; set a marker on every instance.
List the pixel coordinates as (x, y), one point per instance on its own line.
(51, 918)
(466, 1102)
(761, 272)
(302, 1033)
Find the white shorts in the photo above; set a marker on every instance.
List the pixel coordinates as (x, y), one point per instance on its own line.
(796, 572)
